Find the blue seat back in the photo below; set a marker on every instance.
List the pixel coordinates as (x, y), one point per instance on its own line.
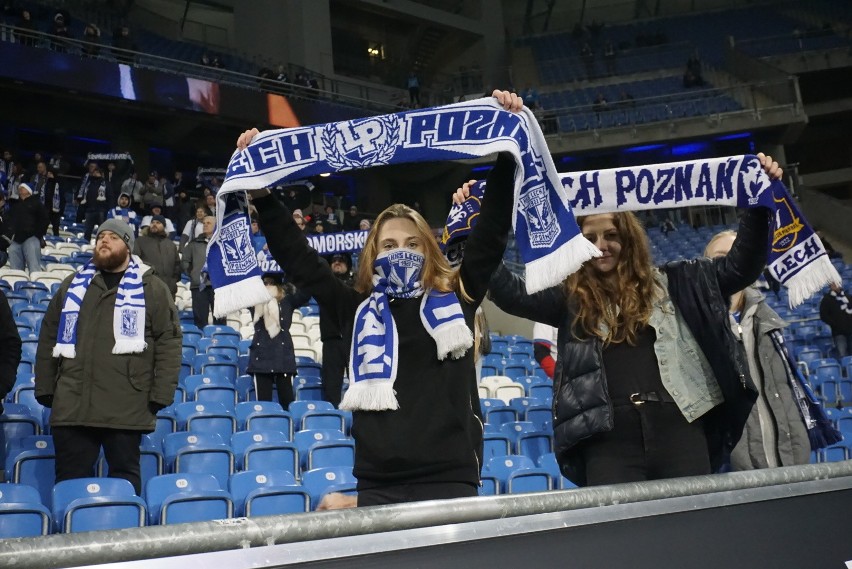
(90, 504)
(268, 492)
(187, 497)
(316, 482)
(22, 513)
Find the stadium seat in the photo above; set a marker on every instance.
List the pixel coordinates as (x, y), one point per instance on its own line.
(489, 486)
(317, 482)
(31, 460)
(495, 444)
(502, 466)
(187, 497)
(334, 420)
(331, 454)
(305, 439)
(497, 412)
(216, 366)
(535, 445)
(207, 389)
(22, 513)
(17, 422)
(266, 493)
(540, 415)
(206, 418)
(245, 388)
(548, 463)
(89, 504)
(265, 450)
(528, 480)
(199, 452)
(299, 408)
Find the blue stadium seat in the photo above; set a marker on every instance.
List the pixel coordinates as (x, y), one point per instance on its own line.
(90, 504)
(515, 429)
(529, 480)
(210, 389)
(317, 482)
(188, 497)
(17, 422)
(334, 420)
(495, 444)
(496, 412)
(540, 415)
(206, 418)
(216, 366)
(151, 460)
(265, 450)
(299, 408)
(245, 388)
(31, 460)
(502, 466)
(199, 452)
(836, 453)
(309, 370)
(22, 513)
(548, 462)
(266, 493)
(331, 454)
(535, 445)
(489, 486)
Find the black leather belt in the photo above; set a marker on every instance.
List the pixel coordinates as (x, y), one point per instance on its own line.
(639, 399)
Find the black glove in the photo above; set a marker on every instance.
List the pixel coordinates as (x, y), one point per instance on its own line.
(155, 407)
(46, 400)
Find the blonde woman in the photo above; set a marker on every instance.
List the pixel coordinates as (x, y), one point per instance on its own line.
(645, 356)
(416, 417)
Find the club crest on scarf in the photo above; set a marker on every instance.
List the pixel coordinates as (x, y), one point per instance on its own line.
(787, 225)
(239, 258)
(361, 143)
(129, 323)
(753, 181)
(541, 221)
(69, 330)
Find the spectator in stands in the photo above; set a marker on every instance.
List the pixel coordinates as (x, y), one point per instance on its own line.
(112, 179)
(318, 228)
(193, 260)
(152, 192)
(775, 433)
(80, 194)
(60, 30)
(544, 347)
(626, 99)
(210, 203)
(836, 311)
(16, 178)
(54, 201)
(300, 220)
(194, 228)
(599, 106)
(645, 353)
(91, 40)
(331, 222)
(364, 225)
(258, 240)
(146, 221)
(159, 252)
(281, 76)
(272, 358)
(97, 198)
(185, 208)
(351, 219)
(413, 85)
(123, 44)
(588, 56)
(133, 187)
(27, 223)
(530, 96)
(6, 165)
(10, 354)
(431, 446)
(38, 182)
(667, 227)
(691, 80)
(123, 212)
(693, 64)
(58, 164)
(217, 62)
(103, 394)
(26, 29)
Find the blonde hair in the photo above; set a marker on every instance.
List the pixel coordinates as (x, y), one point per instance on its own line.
(614, 309)
(720, 235)
(437, 273)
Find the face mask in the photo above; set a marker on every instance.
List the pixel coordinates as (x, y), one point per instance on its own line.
(397, 272)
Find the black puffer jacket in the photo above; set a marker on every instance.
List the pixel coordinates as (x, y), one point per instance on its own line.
(699, 289)
(276, 355)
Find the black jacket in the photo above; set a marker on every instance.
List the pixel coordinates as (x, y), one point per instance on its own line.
(10, 349)
(51, 187)
(436, 434)
(699, 289)
(27, 218)
(276, 355)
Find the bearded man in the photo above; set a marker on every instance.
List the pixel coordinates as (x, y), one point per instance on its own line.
(108, 359)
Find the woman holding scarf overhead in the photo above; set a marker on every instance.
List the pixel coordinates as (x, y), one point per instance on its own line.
(416, 422)
(645, 356)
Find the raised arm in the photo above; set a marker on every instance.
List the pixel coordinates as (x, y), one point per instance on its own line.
(746, 260)
(509, 293)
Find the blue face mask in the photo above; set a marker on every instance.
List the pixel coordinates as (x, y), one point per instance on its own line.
(397, 273)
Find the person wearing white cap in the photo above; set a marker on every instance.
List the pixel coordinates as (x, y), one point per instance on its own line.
(27, 225)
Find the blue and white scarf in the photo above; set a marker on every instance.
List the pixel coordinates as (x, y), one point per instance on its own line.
(373, 361)
(796, 258)
(548, 238)
(128, 322)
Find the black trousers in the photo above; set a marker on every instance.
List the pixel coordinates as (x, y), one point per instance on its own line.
(77, 450)
(202, 306)
(402, 493)
(283, 382)
(335, 357)
(93, 218)
(55, 219)
(648, 442)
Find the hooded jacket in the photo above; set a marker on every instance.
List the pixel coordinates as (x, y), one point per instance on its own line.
(101, 389)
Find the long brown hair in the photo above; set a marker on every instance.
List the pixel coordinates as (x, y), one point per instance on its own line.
(613, 309)
(437, 273)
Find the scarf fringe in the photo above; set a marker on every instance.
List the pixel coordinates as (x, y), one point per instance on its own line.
(234, 296)
(129, 347)
(811, 280)
(374, 396)
(552, 269)
(453, 340)
(64, 351)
